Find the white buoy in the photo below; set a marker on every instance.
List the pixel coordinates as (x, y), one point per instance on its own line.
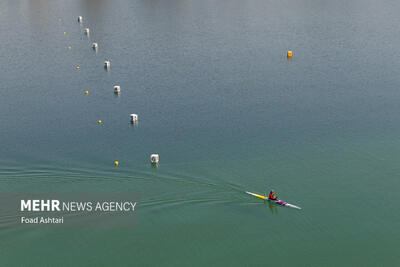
(107, 64)
(117, 90)
(80, 19)
(154, 158)
(94, 45)
(86, 31)
(134, 118)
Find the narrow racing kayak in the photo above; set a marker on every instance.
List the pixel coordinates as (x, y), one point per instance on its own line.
(279, 202)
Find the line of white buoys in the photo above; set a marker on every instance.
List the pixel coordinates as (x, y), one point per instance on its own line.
(134, 118)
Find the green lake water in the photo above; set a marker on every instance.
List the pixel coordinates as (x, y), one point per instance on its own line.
(226, 111)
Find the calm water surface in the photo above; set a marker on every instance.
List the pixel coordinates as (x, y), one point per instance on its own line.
(227, 112)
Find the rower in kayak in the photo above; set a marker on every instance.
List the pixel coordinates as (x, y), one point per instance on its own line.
(274, 199)
(272, 195)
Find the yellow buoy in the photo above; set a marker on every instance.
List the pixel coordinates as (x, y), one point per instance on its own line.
(69, 48)
(99, 121)
(289, 53)
(116, 163)
(65, 33)
(86, 92)
(77, 67)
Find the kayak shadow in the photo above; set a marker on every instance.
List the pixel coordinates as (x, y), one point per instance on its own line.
(272, 207)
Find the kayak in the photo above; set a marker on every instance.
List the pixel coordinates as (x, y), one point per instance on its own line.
(278, 202)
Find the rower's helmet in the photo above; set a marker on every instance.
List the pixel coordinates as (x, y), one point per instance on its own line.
(272, 191)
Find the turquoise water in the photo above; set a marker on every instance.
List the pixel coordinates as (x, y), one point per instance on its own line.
(227, 112)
